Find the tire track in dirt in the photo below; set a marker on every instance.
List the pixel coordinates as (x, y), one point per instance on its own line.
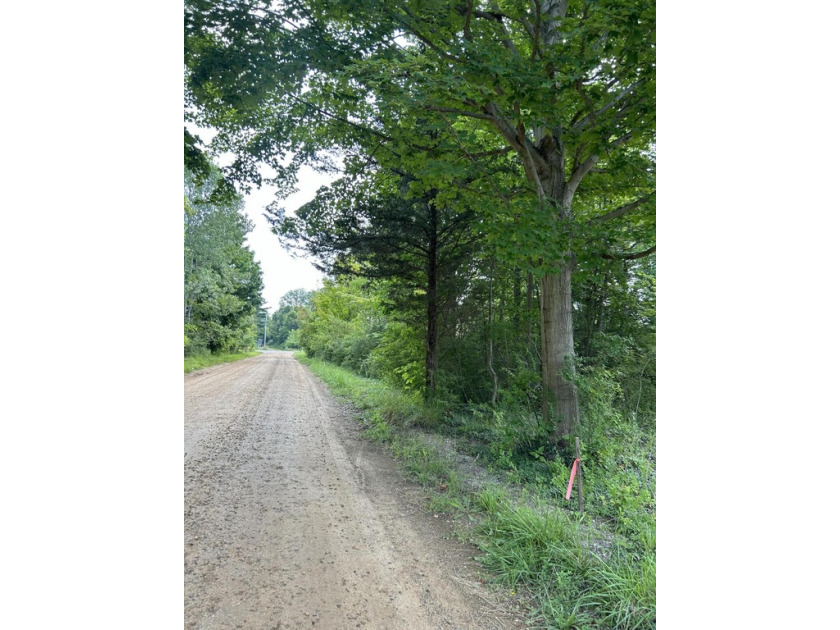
(292, 521)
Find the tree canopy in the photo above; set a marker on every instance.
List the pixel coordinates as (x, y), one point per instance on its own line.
(540, 114)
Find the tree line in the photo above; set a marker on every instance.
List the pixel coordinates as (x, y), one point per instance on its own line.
(222, 281)
(492, 237)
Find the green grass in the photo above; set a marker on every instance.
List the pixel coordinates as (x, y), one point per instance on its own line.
(425, 464)
(379, 402)
(196, 363)
(544, 550)
(529, 544)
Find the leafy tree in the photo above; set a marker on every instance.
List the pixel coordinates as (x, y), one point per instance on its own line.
(297, 298)
(293, 309)
(565, 88)
(362, 227)
(565, 85)
(222, 281)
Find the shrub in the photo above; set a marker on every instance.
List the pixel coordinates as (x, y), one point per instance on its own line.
(400, 357)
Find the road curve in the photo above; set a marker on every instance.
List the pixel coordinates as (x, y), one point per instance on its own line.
(292, 521)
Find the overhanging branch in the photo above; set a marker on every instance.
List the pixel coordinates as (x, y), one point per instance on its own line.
(623, 209)
(634, 256)
(460, 112)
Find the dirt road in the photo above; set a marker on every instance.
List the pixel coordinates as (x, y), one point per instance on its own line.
(291, 520)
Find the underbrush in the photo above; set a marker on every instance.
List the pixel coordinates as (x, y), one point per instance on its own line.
(206, 360)
(595, 570)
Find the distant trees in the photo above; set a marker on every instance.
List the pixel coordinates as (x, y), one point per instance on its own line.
(285, 322)
(222, 281)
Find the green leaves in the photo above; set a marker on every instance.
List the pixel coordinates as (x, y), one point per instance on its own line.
(222, 281)
(527, 131)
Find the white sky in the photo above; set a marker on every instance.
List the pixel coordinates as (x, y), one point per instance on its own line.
(281, 271)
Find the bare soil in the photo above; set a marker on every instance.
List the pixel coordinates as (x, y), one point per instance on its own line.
(292, 520)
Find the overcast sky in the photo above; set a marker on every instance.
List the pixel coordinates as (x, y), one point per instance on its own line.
(281, 271)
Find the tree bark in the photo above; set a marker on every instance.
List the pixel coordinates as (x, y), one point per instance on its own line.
(560, 403)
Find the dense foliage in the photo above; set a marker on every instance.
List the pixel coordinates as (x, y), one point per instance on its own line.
(489, 342)
(284, 324)
(222, 281)
(536, 118)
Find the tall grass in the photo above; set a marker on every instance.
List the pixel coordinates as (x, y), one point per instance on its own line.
(545, 550)
(378, 401)
(192, 364)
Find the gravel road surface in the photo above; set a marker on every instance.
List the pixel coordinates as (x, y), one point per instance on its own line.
(291, 520)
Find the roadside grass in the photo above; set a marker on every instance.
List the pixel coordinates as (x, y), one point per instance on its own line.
(383, 407)
(545, 550)
(196, 363)
(575, 574)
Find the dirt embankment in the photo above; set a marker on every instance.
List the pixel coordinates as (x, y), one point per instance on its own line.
(292, 521)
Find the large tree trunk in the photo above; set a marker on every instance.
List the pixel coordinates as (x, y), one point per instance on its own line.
(544, 160)
(560, 402)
